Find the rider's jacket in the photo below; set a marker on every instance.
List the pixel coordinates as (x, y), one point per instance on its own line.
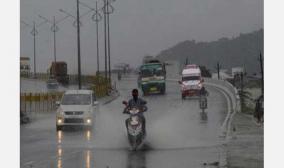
(139, 103)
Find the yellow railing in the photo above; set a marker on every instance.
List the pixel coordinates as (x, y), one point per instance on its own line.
(39, 102)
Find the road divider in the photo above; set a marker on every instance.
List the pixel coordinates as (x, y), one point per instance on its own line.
(45, 101)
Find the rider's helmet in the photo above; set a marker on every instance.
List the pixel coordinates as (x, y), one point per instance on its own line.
(135, 93)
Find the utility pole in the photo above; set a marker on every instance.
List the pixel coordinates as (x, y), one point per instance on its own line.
(218, 70)
(78, 45)
(262, 75)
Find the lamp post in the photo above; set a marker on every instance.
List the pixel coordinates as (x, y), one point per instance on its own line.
(34, 33)
(97, 17)
(54, 28)
(77, 23)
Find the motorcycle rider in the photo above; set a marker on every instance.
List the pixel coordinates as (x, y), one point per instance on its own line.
(203, 92)
(138, 103)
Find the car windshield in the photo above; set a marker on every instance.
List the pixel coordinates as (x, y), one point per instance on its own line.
(76, 99)
(189, 78)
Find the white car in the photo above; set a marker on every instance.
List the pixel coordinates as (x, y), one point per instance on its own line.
(76, 109)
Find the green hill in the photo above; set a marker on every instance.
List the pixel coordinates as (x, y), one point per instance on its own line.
(238, 51)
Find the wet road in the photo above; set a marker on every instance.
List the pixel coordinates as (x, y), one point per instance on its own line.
(178, 135)
(34, 85)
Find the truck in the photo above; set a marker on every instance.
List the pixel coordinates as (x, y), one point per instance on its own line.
(191, 81)
(58, 70)
(25, 66)
(152, 77)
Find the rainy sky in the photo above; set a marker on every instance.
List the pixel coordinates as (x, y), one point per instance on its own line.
(137, 28)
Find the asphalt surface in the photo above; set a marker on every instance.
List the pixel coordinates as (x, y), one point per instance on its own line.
(178, 135)
(34, 85)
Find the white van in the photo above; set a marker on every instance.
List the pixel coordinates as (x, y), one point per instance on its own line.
(191, 81)
(76, 108)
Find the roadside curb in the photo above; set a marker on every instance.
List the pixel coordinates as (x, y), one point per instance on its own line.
(114, 96)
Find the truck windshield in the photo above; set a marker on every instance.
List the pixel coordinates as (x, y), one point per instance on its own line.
(146, 73)
(76, 99)
(159, 72)
(189, 78)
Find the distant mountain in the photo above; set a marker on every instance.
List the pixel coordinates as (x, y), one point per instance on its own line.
(243, 50)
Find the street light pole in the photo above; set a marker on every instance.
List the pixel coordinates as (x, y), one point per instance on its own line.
(97, 31)
(34, 52)
(54, 28)
(105, 35)
(109, 66)
(78, 45)
(34, 33)
(54, 39)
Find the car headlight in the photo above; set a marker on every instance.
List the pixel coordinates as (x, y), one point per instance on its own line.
(88, 121)
(59, 120)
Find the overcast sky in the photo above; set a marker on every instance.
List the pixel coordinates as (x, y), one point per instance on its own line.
(137, 28)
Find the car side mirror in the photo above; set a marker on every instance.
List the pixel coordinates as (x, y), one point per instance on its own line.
(179, 82)
(96, 103)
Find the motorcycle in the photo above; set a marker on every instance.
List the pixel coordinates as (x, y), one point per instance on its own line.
(203, 100)
(203, 103)
(134, 124)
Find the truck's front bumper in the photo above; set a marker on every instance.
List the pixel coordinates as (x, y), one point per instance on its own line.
(153, 87)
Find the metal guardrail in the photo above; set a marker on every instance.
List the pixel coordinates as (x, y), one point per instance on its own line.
(230, 89)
